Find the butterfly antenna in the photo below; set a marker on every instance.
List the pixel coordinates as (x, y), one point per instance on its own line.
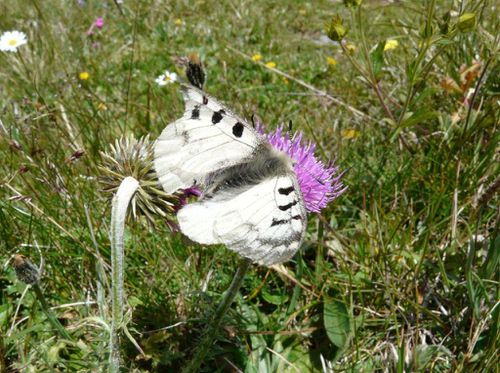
(253, 120)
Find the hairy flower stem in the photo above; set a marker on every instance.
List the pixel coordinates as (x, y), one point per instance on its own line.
(48, 312)
(121, 200)
(209, 336)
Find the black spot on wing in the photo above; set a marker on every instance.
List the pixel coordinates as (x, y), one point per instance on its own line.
(238, 129)
(297, 217)
(205, 100)
(287, 206)
(195, 114)
(217, 116)
(278, 222)
(286, 191)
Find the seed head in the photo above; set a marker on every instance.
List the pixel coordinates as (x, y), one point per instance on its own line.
(26, 271)
(131, 157)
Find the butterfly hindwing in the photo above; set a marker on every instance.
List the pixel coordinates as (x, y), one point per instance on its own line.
(265, 222)
(207, 138)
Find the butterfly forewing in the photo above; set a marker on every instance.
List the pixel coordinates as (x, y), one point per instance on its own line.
(202, 141)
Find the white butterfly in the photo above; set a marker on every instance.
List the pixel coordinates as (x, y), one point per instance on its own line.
(251, 199)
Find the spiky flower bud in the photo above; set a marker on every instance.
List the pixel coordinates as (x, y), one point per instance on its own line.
(335, 29)
(26, 271)
(131, 157)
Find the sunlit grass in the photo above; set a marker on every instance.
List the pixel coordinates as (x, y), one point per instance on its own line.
(407, 259)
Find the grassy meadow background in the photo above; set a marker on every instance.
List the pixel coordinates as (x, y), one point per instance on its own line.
(400, 273)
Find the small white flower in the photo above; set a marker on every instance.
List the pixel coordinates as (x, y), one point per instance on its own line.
(166, 78)
(10, 40)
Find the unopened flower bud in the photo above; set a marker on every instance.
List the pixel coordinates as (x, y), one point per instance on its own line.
(26, 271)
(466, 22)
(335, 29)
(444, 25)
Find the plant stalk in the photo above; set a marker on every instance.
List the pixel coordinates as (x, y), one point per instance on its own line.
(48, 312)
(121, 200)
(209, 335)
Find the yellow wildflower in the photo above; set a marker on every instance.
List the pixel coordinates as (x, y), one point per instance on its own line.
(390, 44)
(286, 81)
(331, 61)
(256, 57)
(101, 106)
(84, 75)
(349, 134)
(271, 64)
(178, 22)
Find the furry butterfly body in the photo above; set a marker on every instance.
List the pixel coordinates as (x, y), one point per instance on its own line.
(251, 200)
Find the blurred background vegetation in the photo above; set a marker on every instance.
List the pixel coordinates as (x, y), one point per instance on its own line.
(399, 274)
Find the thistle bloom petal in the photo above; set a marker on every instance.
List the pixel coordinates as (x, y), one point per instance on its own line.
(319, 183)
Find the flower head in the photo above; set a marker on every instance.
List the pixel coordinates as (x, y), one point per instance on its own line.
(11, 40)
(131, 157)
(331, 61)
(336, 29)
(84, 75)
(271, 64)
(350, 47)
(178, 22)
(319, 183)
(99, 22)
(349, 134)
(390, 44)
(166, 78)
(256, 57)
(26, 271)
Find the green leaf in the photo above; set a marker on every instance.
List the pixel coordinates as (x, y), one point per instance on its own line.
(5, 310)
(419, 116)
(275, 299)
(337, 322)
(377, 57)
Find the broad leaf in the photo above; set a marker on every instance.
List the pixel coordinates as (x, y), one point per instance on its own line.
(337, 322)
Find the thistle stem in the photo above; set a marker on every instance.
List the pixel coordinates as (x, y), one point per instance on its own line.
(209, 335)
(120, 204)
(48, 312)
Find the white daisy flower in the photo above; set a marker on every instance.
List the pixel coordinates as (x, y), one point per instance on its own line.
(166, 78)
(10, 40)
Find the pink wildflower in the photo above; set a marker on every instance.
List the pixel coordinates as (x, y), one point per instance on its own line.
(99, 22)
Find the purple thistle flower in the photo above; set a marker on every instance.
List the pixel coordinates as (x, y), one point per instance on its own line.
(184, 195)
(319, 183)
